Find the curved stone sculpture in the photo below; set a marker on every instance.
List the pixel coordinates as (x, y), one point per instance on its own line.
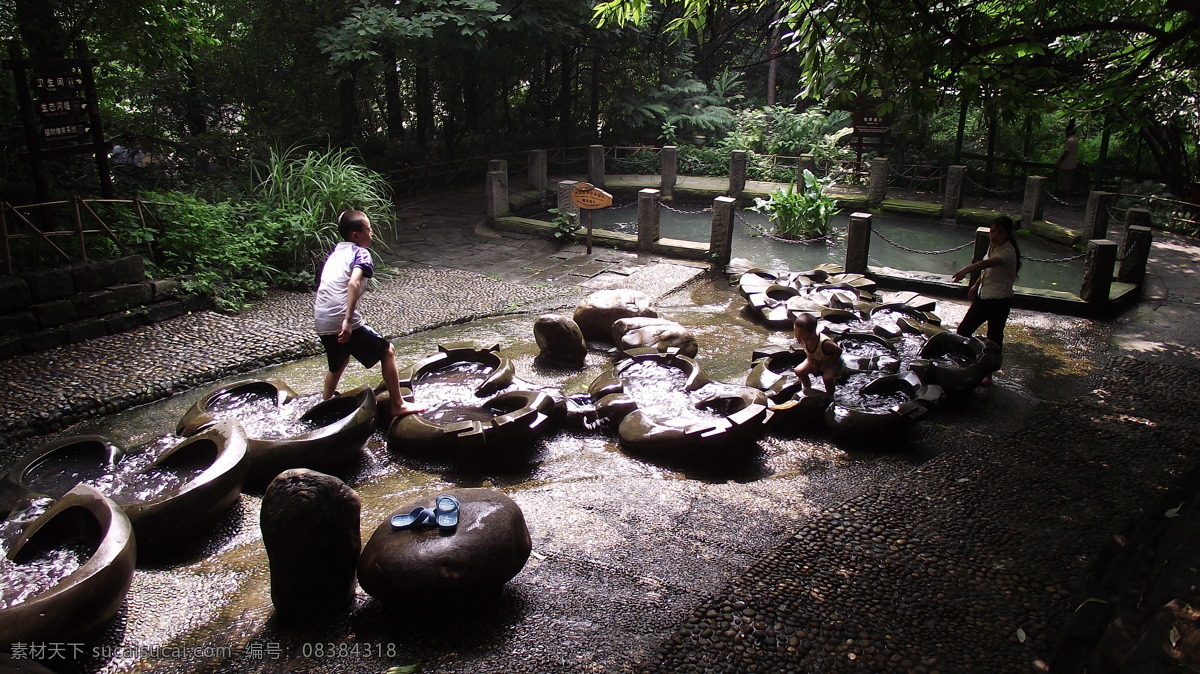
(597, 312)
(976, 358)
(827, 292)
(886, 362)
(178, 516)
(488, 547)
(741, 411)
(199, 416)
(85, 600)
(211, 467)
(559, 340)
(509, 421)
(658, 333)
(344, 423)
(860, 423)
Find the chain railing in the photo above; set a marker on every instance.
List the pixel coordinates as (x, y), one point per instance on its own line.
(915, 176)
(918, 251)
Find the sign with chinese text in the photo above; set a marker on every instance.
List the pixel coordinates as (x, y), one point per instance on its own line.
(868, 121)
(590, 197)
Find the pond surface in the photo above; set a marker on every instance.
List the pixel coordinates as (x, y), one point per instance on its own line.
(690, 223)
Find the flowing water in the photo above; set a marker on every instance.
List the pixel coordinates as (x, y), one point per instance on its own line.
(262, 418)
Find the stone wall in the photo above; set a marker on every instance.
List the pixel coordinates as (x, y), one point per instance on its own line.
(46, 308)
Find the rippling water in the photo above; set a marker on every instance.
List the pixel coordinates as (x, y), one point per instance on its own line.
(261, 418)
(449, 396)
(659, 391)
(19, 582)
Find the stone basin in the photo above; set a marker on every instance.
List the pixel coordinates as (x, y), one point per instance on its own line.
(496, 427)
(738, 414)
(979, 357)
(342, 426)
(489, 546)
(84, 601)
(861, 423)
(209, 469)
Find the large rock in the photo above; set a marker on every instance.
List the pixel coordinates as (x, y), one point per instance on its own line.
(658, 333)
(488, 547)
(310, 525)
(597, 312)
(559, 340)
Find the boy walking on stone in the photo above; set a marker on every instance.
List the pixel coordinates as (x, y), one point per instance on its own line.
(338, 320)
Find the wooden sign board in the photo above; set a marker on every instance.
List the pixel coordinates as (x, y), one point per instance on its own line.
(589, 197)
(868, 121)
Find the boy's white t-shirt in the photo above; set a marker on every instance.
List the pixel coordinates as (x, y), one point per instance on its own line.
(997, 282)
(329, 307)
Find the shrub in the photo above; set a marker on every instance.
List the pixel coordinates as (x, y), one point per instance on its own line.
(803, 213)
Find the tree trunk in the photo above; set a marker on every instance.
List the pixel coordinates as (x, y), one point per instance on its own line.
(391, 93)
(424, 105)
(347, 109)
(564, 96)
(594, 108)
(41, 30)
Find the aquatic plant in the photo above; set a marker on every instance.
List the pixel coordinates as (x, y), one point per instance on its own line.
(803, 213)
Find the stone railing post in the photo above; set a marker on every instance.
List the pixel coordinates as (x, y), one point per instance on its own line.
(497, 165)
(497, 195)
(858, 242)
(648, 217)
(737, 173)
(720, 240)
(1137, 217)
(982, 242)
(565, 205)
(877, 184)
(1095, 217)
(595, 165)
(538, 170)
(807, 162)
(952, 201)
(1098, 271)
(669, 157)
(1135, 254)
(1035, 200)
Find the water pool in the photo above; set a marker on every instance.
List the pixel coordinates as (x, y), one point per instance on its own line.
(690, 223)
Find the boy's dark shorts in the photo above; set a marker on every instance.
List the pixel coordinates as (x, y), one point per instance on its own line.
(366, 345)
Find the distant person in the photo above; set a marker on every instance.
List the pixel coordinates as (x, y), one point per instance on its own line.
(991, 295)
(340, 324)
(822, 355)
(1068, 161)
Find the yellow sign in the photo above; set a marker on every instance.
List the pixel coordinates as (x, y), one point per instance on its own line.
(590, 197)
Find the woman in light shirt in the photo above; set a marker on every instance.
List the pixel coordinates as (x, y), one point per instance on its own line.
(991, 295)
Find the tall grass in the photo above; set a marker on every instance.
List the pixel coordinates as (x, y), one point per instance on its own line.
(232, 249)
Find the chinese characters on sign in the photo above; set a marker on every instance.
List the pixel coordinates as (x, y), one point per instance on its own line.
(60, 106)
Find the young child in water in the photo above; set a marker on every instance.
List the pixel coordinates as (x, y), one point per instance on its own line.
(822, 355)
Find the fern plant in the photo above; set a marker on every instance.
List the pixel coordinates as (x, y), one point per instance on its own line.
(804, 213)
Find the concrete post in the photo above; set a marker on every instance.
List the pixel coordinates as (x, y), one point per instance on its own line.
(1035, 200)
(564, 198)
(538, 170)
(877, 185)
(497, 165)
(952, 201)
(596, 165)
(1098, 271)
(982, 242)
(720, 241)
(497, 195)
(737, 173)
(858, 242)
(807, 162)
(670, 170)
(1095, 217)
(1137, 217)
(648, 217)
(1135, 253)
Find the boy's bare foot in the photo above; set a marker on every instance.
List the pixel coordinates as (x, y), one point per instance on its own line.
(406, 407)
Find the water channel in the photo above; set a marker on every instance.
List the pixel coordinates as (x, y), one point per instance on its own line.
(623, 548)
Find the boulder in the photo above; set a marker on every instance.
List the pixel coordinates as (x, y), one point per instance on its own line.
(559, 340)
(310, 529)
(488, 547)
(597, 312)
(658, 333)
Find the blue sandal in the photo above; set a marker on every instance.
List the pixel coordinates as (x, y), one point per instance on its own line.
(418, 517)
(445, 510)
